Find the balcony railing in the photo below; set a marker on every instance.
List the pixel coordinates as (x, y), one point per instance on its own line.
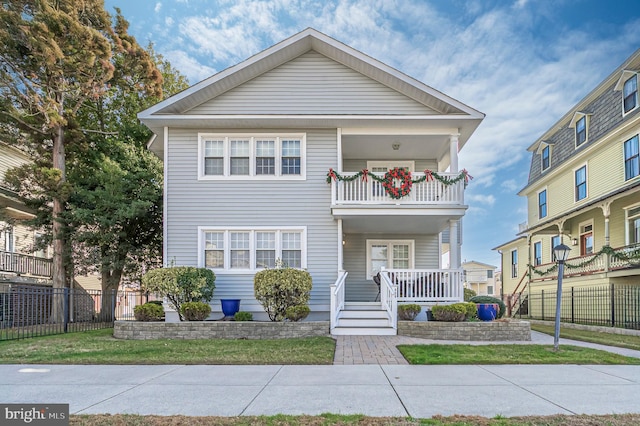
(23, 264)
(428, 285)
(369, 191)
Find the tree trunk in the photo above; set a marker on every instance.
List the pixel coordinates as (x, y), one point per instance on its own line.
(59, 274)
(110, 284)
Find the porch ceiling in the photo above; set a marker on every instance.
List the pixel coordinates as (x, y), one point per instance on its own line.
(380, 147)
(385, 224)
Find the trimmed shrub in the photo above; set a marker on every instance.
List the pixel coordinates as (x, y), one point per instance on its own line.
(181, 284)
(472, 310)
(195, 311)
(278, 289)
(409, 312)
(156, 302)
(490, 299)
(297, 313)
(468, 294)
(453, 313)
(243, 316)
(148, 312)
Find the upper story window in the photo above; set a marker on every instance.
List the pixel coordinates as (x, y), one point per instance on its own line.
(242, 250)
(631, 158)
(542, 204)
(555, 241)
(546, 157)
(262, 156)
(581, 183)
(537, 253)
(489, 273)
(632, 225)
(514, 263)
(581, 130)
(630, 94)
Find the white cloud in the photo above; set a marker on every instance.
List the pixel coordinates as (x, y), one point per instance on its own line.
(158, 7)
(189, 66)
(510, 185)
(487, 199)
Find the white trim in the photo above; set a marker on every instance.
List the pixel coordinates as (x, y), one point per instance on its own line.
(624, 158)
(339, 149)
(582, 225)
(546, 202)
(278, 137)
(533, 249)
(626, 223)
(165, 199)
(586, 182)
(511, 264)
(390, 164)
(340, 246)
(252, 256)
(389, 244)
(541, 148)
(624, 77)
(574, 125)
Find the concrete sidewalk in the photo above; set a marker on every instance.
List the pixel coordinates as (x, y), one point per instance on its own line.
(375, 390)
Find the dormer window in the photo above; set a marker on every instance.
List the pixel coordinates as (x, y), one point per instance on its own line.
(545, 157)
(630, 94)
(580, 122)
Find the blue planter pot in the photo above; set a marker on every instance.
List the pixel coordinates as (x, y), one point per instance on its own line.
(230, 306)
(487, 311)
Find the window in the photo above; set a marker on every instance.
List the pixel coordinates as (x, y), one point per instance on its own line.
(581, 130)
(489, 273)
(542, 204)
(586, 239)
(396, 254)
(545, 157)
(248, 156)
(630, 94)
(489, 289)
(581, 183)
(242, 250)
(537, 253)
(555, 241)
(633, 225)
(514, 263)
(631, 162)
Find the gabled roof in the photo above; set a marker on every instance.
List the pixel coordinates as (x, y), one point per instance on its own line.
(475, 262)
(175, 110)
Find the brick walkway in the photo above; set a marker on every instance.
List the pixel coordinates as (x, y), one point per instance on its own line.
(352, 350)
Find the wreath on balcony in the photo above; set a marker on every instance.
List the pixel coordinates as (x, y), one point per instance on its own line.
(389, 182)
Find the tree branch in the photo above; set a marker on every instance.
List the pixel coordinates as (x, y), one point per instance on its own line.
(23, 123)
(99, 132)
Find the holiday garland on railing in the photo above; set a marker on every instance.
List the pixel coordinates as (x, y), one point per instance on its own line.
(631, 257)
(388, 181)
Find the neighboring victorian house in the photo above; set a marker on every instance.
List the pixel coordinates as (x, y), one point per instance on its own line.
(19, 263)
(284, 156)
(583, 191)
(481, 278)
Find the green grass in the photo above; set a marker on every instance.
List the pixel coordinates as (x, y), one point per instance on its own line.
(509, 354)
(99, 347)
(611, 339)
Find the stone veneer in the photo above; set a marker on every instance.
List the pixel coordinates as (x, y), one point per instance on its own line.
(467, 331)
(189, 330)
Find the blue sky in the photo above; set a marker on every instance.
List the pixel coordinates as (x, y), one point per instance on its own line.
(523, 63)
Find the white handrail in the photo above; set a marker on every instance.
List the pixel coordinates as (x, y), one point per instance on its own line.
(428, 285)
(388, 298)
(337, 298)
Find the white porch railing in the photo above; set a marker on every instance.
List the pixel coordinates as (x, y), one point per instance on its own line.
(428, 285)
(337, 298)
(359, 191)
(582, 265)
(389, 299)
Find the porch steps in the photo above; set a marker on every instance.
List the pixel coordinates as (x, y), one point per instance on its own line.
(364, 319)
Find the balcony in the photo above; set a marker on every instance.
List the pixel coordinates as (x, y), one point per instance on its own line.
(22, 264)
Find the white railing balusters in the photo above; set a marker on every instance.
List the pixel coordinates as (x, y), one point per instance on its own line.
(337, 298)
(427, 285)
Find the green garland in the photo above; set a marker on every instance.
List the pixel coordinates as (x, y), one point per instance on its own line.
(631, 257)
(402, 174)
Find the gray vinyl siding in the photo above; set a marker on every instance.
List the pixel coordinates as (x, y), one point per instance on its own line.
(226, 203)
(312, 84)
(360, 288)
(355, 165)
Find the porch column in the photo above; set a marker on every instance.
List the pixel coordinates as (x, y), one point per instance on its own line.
(454, 260)
(453, 153)
(606, 211)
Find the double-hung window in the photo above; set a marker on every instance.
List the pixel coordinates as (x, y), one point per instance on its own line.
(257, 156)
(545, 156)
(581, 183)
(631, 158)
(537, 253)
(630, 94)
(242, 250)
(542, 204)
(514, 263)
(581, 130)
(389, 254)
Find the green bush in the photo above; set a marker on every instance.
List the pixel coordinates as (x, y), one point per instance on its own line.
(297, 313)
(181, 284)
(243, 316)
(409, 312)
(156, 302)
(278, 289)
(468, 294)
(195, 311)
(472, 310)
(148, 312)
(455, 312)
(490, 299)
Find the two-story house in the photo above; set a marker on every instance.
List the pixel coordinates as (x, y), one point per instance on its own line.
(481, 278)
(583, 191)
(316, 154)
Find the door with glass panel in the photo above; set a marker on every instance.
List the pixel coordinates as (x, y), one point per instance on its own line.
(376, 189)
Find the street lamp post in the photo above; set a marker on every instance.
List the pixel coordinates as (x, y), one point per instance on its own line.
(562, 253)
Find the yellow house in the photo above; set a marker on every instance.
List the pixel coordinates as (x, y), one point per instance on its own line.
(481, 278)
(583, 191)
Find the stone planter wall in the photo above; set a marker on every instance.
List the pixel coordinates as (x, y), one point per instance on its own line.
(467, 331)
(189, 330)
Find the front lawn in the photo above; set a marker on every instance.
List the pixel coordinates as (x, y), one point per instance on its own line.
(611, 339)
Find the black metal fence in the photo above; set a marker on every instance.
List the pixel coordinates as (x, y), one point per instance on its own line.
(29, 311)
(613, 306)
